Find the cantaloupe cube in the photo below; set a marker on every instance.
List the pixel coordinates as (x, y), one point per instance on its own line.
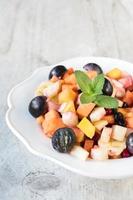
(87, 127)
(129, 121)
(79, 134)
(118, 132)
(71, 79)
(128, 98)
(99, 125)
(84, 110)
(115, 73)
(123, 111)
(66, 96)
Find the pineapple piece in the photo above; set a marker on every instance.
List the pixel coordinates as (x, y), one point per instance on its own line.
(87, 127)
(79, 152)
(118, 132)
(97, 114)
(99, 125)
(115, 73)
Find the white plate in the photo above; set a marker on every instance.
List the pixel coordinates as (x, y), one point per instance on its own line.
(24, 126)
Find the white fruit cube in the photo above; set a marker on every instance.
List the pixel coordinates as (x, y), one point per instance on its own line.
(118, 132)
(115, 148)
(98, 153)
(52, 90)
(97, 114)
(105, 135)
(79, 152)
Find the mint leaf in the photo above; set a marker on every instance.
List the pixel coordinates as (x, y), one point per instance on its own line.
(86, 98)
(106, 101)
(83, 81)
(97, 84)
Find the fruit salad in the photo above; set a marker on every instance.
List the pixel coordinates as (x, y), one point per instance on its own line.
(88, 113)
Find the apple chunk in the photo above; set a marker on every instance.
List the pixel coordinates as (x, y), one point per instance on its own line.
(118, 132)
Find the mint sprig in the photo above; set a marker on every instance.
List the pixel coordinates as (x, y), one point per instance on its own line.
(92, 90)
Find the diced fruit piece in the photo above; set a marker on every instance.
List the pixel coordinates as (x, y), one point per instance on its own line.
(129, 121)
(63, 140)
(58, 71)
(129, 114)
(52, 90)
(41, 87)
(40, 120)
(107, 87)
(38, 106)
(70, 118)
(120, 92)
(67, 95)
(93, 67)
(70, 79)
(129, 143)
(116, 83)
(128, 98)
(105, 135)
(51, 123)
(115, 73)
(79, 134)
(127, 81)
(92, 74)
(118, 132)
(109, 119)
(87, 127)
(85, 109)
(67, 107)
(52, 105)
(97, 114)
(88, 144)
(99, 125)
(116, 148)
(68, 72)
(98, 153)
(79, 152)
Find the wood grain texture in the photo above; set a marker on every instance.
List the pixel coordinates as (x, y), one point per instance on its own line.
(37, 33)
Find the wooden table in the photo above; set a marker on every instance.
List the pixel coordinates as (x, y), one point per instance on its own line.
(35, 33)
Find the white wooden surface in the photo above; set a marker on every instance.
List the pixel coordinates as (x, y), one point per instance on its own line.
(35, 33)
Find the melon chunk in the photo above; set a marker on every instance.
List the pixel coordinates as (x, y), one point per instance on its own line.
(67, 107)
(105, 135)
(87, 127)
(79, 152)
(98, 153)
(84, 110)
(97, 114)
(118, 132)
